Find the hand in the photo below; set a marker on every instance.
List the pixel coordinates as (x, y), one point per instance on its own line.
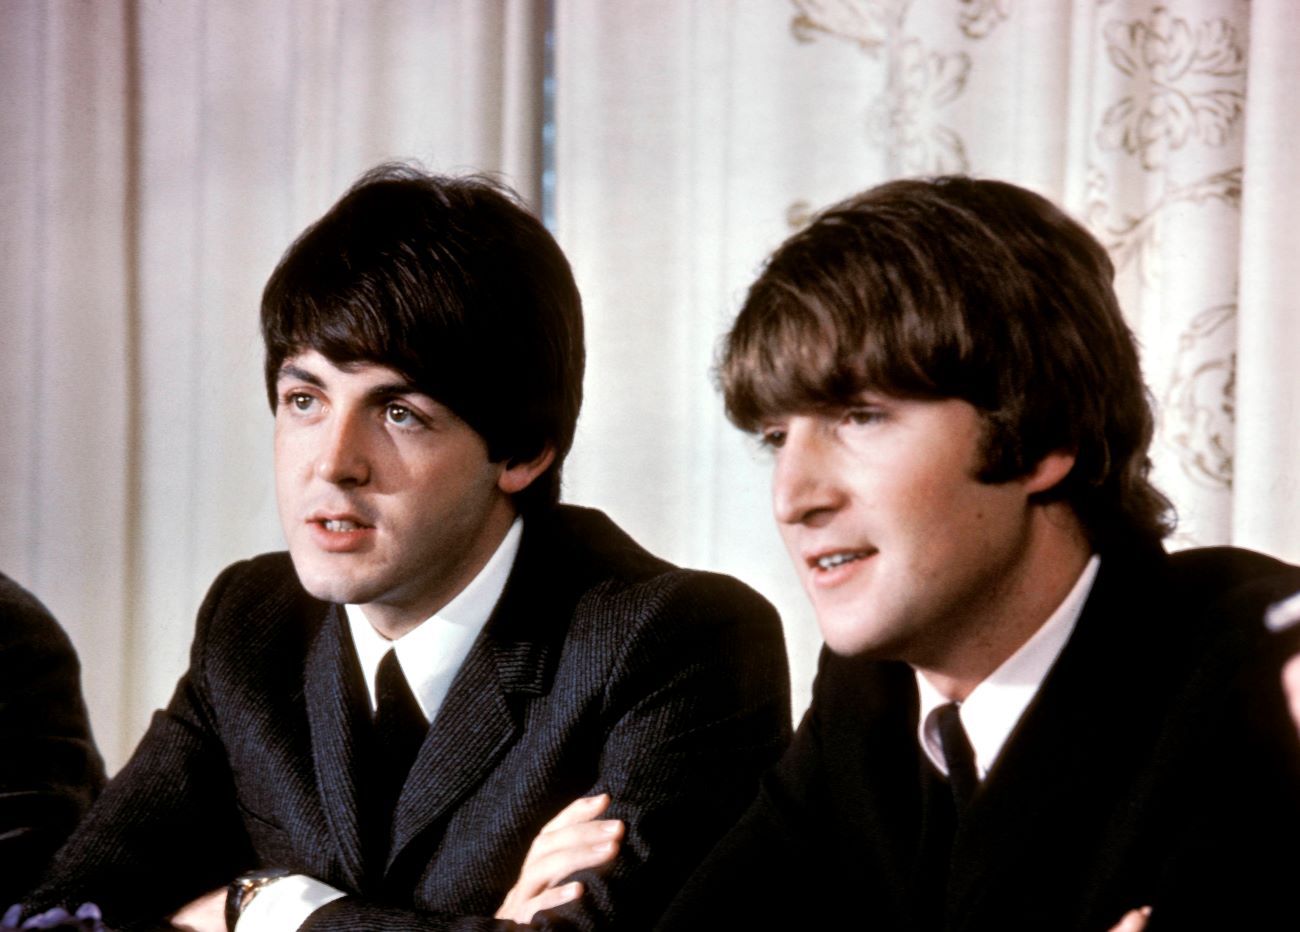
(574, 840)
(1291, 684)
(206, 914)
(1135, 920)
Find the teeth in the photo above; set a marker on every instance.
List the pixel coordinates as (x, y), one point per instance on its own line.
(832, 560)
(341, 526)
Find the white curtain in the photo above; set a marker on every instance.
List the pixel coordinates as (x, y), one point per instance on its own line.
(694, 136)
(156, 159)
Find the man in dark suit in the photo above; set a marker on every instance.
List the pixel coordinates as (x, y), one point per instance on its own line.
(50, 770)
(375, 726)
(1027, 715)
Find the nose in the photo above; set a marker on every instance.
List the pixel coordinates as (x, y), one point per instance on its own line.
(343, 458)
(804, 490)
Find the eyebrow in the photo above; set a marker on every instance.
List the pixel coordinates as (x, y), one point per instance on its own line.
(290, 371)
(384, 390)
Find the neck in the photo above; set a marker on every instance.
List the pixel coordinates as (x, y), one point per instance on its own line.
(1019, 603)
(404, 611)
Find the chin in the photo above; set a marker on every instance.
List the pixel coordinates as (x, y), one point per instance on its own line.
(842, 640)
(847, 633)
(323, 582)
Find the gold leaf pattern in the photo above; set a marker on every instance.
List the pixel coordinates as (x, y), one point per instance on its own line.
(978, 18)
(798, 215)
(1131, 235)
(1187, 84)
(866, 23)
(1199, 407)
(905, 119)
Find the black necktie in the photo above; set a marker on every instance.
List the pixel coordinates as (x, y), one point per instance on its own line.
(399, 730)
(400, 726)
(958, 755)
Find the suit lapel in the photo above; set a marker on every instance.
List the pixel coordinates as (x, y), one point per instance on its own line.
(861, 733)
(472, 730)
(511, 660)
(337, 710)
(1064, 773)
(896, 811)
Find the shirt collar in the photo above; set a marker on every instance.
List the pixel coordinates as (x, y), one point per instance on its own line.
(431, 654)
(994, 706)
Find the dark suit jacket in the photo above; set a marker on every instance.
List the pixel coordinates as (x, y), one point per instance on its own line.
(602, 668)
(50, 771)
(1154, 767)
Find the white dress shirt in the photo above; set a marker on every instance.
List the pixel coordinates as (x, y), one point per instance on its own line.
(994, 707)
(430, 655)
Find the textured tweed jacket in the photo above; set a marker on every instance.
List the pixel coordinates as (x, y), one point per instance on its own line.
(1156, 766)
(602, 668)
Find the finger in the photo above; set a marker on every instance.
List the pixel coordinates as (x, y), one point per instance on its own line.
(548, 870)
(1291, 683)
(582, 809)
(205, 912)
(575, 836)
(556, 850)
(524, 911)
(555, 896)
(1135, 920)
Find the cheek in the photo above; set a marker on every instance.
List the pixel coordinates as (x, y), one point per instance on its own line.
(787, 533)
(289, 453)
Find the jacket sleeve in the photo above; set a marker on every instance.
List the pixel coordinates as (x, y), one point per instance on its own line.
(166, 828)
(50, 771)
(696, 707)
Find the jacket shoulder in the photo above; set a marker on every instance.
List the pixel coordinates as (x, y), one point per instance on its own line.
(27, 622)
(618, 572)
(1230, 580)
(254, 602)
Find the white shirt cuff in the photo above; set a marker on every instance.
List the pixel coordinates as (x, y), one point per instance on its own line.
(285, 905)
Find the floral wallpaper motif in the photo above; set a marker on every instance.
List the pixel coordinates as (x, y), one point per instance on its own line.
(863, 22)
(1132, 237)
(1200, 403)
(1188, 83)
(906, 119)
(978, 18)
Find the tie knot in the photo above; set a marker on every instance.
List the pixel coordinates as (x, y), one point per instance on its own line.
(390, 682)
(958, 755)
(398, 716)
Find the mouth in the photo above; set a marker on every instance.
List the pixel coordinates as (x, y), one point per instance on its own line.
(340, 522)
(339, 525)
(833, 559)
(341, 532)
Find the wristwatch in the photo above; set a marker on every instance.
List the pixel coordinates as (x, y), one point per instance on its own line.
(246, 886)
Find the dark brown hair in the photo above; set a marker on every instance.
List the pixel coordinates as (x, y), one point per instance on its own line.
(960, 288)
(452, 283)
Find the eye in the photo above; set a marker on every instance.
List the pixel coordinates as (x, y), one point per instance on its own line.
(299, 401)
(401, 415)
(862, 416)
(772, 438)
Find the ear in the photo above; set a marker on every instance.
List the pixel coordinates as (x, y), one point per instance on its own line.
(1051, 469)
(518, 475)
